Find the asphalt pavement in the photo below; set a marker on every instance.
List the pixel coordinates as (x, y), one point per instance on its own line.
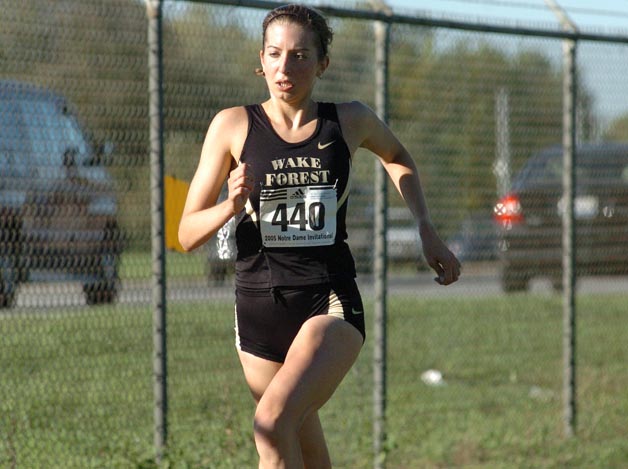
(476, 281)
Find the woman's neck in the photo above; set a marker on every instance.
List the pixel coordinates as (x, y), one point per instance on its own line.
(291, 117)
(293, 124)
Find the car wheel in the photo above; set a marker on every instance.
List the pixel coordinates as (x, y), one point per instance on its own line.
(514, 280)
(8, 280)
(557, 283)
(217, 273)
(103, 289)
(363, 258)
(10, 246)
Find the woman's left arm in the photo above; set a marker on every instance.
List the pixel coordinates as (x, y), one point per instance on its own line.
(375, 136)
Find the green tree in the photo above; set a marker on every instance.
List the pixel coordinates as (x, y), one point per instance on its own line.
(443, 105)
(618, 130)
(442, 90)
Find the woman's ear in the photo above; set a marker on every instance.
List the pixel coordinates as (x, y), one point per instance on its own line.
(323, 64)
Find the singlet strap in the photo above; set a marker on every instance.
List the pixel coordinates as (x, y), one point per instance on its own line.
(328, 111)
(255, 114)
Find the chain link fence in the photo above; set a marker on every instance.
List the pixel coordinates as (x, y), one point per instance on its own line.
(474, 371)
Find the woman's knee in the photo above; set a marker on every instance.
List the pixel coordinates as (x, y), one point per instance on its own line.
(271, 425)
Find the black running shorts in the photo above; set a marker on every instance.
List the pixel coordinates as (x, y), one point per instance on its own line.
(266, 322)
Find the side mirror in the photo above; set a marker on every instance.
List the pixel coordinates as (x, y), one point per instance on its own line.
(69, 157)
(103, 155)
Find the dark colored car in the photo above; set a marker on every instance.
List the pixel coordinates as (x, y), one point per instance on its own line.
(58, 209)
(477, 239)
(530, 216)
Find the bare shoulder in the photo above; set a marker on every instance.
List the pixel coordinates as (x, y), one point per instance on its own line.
(228, 130)
(231, 118)
(362, 127)
(357, 121)
(353, 111)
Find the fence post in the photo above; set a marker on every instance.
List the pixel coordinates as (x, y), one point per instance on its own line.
(569, 247)
(154, 10)
(382, 43)
(570, 84)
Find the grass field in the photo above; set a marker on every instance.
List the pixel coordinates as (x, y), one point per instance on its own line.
(76, 388)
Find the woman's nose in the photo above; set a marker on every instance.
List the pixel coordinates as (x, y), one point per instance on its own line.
(284, 64)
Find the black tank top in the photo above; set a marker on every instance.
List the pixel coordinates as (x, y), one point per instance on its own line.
(293, 230)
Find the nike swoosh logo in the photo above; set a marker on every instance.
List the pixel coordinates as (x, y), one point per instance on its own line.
(322, 147)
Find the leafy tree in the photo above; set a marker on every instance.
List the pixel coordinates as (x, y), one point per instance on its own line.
(442, 89)
(618, 130)
(443, 103)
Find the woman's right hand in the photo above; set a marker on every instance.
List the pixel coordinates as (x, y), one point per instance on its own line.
(240, 184)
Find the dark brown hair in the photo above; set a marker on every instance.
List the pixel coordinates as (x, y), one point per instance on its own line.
(303, 16)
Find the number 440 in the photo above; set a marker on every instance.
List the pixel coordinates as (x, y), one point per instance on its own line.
(314, 215)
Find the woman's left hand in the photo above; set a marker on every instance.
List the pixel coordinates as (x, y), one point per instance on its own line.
(438, 255)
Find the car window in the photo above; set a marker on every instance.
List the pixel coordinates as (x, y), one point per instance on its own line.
(13, 144)
(553, 170)
(605, 168)
(76, 138)
(55, 136)
(541, 169)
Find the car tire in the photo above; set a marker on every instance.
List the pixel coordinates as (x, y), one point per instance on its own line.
(104, 288)
(8, 281)
(363, 259)
(10, 247)
(514, 280)
(217, 273)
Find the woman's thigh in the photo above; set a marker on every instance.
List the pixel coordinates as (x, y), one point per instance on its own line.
(258, 373)
(320, 356)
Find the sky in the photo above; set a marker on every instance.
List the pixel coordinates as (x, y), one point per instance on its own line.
(597, 15)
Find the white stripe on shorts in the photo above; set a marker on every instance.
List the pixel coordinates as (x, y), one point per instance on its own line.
(335, 306)
(237, 332)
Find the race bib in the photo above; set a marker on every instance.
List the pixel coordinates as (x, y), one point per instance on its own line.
(298, 216)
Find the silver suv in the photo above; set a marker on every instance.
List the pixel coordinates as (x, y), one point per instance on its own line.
(58, 209)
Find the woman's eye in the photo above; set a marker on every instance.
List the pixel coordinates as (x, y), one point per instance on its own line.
(301, 56)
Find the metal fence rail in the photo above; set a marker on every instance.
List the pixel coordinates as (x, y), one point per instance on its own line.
(117, 351)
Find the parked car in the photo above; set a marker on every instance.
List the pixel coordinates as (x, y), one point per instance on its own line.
(58, 209)
(477, 239)
(530, 216)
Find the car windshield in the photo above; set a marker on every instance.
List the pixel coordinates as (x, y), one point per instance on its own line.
(53, 132)
(12, 140)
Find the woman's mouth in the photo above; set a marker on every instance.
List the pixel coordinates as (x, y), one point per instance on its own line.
(284, 85)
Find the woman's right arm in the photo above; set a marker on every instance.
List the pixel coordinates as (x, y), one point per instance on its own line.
(202, 216)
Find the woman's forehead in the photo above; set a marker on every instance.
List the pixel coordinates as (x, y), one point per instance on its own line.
(281, 33)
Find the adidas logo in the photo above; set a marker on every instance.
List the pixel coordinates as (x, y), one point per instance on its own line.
(299, 194)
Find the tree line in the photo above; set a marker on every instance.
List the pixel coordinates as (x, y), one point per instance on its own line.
(443, 88)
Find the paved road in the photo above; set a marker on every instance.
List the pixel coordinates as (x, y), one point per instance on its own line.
(476, 282)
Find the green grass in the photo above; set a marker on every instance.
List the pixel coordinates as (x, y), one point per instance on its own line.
(76, 388)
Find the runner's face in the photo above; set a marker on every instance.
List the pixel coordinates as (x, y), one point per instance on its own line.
(290, 60)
